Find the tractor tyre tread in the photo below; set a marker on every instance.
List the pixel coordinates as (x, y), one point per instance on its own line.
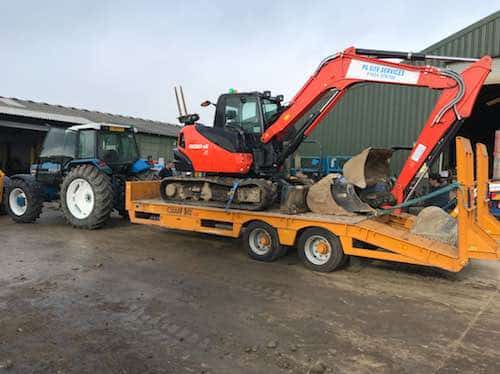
(103, 197)
(34, 197)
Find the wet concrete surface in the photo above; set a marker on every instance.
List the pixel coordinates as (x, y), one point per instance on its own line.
(138, 299)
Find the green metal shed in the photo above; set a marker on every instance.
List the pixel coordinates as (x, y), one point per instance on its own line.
(382, 115)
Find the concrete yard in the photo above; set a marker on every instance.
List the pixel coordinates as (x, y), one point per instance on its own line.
(138, 299)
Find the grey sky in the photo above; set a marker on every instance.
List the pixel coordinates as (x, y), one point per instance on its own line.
(125, 56)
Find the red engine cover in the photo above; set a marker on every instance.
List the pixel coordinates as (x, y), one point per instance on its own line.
(209, 157)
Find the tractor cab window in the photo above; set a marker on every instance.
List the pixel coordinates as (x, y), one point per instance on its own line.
(59, 142)
(86, 144)
(242, 111)
(117, 147)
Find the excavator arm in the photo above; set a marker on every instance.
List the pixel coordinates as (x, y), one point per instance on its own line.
(339, 72)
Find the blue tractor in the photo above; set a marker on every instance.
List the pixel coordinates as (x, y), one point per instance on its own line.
(85, 167)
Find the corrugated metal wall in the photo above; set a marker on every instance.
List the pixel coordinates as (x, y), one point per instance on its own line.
(386, 115)
(156, 146)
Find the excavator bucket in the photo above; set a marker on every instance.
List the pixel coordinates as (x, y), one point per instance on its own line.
(368, 168)
(336, 194)
(320, 198)
(345, 196)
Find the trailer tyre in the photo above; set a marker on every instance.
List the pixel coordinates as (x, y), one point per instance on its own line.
(24, 200)
(262, 242)
(87, 197)
(320, 250)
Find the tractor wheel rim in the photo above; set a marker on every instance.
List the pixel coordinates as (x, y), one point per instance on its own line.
(317, 250)
(17, 202)
(80, 198)
(260, 242)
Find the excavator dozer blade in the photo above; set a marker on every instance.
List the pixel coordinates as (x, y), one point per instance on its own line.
(369, 167)
(320, 199)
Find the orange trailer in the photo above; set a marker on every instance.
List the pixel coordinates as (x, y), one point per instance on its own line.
(324, 242)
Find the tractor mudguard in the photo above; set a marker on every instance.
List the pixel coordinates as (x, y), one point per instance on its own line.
(91, 161)
(24, 177)
(48, 193)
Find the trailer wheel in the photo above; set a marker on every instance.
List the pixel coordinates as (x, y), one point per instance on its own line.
(262, 242)
(320, 250)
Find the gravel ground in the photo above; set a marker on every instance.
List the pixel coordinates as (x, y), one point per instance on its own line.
(138, 299)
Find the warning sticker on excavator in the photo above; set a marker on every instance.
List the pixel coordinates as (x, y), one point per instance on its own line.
(381, 73)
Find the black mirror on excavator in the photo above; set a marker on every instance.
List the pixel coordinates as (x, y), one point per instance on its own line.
(207, 103)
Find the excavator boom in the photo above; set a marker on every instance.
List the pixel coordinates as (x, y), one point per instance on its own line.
(254, 134)
(341, 71)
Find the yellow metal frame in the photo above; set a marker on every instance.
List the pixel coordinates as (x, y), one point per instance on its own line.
(473, 240)
(485, 219)
(389, 235)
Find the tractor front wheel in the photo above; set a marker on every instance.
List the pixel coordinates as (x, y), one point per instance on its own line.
(24, 200)
(87, 197)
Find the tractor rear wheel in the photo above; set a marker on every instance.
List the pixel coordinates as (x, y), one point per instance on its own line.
(24, 200)
(87, 197)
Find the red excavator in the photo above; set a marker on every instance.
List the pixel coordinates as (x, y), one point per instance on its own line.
(239, 161)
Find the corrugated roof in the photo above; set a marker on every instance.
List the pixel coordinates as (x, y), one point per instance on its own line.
(44, 111)
(476, 40)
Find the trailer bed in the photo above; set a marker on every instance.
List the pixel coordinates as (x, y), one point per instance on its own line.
(386, 237)
(275, 212)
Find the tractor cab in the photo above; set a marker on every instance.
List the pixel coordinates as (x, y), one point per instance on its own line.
(112, 148)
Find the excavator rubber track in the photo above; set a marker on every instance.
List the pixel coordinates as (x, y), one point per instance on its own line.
(222, 192)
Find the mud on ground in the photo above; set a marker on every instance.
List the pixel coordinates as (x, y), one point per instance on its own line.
(137, 299)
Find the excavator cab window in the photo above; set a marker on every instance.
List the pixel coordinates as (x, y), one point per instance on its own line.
(270, 110)
(242, 111)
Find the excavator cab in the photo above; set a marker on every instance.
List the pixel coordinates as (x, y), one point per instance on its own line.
(241, 118)
(251, 112)
(239, 122)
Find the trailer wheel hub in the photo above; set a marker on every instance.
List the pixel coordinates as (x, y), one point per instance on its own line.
(322, 248)
(317, 250)
(260, 241)
(264, 240)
